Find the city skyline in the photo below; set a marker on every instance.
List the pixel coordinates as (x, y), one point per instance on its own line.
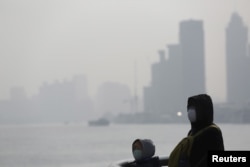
(46, 42)
(66, 101)
(179, 77)
(173, 80)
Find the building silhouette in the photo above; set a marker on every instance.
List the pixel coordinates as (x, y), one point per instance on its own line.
(192, 50)
(237, 61)
(181, 75)
(113, 98)
(66, 101)
(166, 85)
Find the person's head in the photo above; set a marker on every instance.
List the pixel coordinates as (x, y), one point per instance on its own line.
(142, 149)
(200, 109)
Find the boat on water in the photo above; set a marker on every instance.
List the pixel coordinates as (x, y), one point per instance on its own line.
(99, 122)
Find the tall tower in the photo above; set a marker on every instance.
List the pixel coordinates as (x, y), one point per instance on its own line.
(164, 95)
(192, 50)
(237, 61)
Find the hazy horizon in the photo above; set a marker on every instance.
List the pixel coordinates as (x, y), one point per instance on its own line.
(45, 41)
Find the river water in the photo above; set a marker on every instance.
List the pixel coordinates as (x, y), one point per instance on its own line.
(78, 145)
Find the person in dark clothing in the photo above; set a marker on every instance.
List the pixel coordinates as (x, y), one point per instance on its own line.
(192, 150)
(204, 135)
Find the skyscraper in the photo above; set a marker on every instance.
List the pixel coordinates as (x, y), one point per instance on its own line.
(179, 76)
(192, 49)
(237, 61)
(163, 96)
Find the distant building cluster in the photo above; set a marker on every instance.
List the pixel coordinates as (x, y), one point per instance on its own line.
(55, 102)
(183, 73)
(113, 98)
(65, 101)
(179, 74)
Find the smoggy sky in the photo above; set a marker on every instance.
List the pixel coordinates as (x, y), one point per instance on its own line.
(48, 40)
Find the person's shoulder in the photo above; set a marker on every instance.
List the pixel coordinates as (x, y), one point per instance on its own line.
(213, 130)
(214, 127)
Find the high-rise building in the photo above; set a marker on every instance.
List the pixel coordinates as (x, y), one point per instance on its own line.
(192, 47)
(165, 91)
(155, 94)
(179, 76)
(237, 61)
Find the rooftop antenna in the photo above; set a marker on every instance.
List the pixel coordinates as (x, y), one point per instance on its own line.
(135, 87)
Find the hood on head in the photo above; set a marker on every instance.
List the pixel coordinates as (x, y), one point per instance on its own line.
(148, 148)
(204, 109)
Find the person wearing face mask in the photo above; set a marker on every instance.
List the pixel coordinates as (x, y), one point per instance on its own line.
(203, 136)
(143, 151)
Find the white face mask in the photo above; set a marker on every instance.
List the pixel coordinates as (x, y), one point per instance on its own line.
(192, 114)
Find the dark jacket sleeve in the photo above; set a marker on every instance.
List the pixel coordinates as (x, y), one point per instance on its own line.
(210, 140)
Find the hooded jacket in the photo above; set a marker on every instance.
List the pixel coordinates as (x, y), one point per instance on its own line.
(211, 138)
(148, 151)
(147, 147)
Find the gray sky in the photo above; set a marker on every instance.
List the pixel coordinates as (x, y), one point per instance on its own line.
(48, 40)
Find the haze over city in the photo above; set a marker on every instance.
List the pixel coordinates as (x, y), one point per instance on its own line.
(45, 41)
